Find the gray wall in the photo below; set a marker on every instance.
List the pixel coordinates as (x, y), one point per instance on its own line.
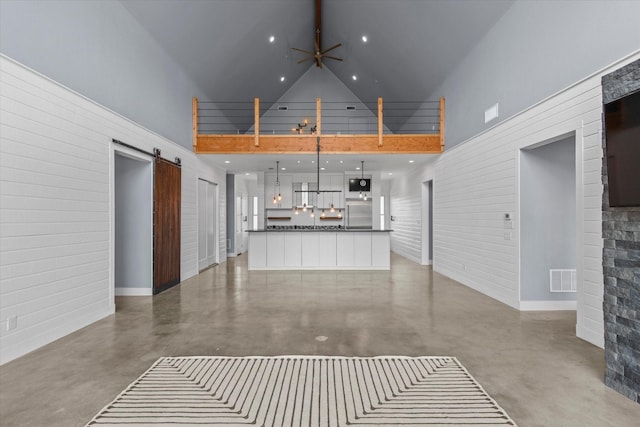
(548, 217)
(133, 223)
(301, 101)
(99, 50)
(536, 49)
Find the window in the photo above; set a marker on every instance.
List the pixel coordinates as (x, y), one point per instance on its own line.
(254, 213)
(382, 213)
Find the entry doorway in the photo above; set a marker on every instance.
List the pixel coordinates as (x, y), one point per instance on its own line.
(548, 225)
(133, 224)
(207, 224)
(427, 223)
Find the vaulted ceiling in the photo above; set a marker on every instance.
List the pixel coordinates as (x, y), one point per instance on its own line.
(224, 46)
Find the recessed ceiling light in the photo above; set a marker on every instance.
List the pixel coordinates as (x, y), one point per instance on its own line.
(272, 39)
(410, 161)
(354, 77)
(321, 169)
(283, 169)
(281, 79)
(227, 161)
(327, 161)
(247, 173)
(390, 173)
(298, 161)
(313, 161)
(357, 168)
(340, 161)
(364, 39)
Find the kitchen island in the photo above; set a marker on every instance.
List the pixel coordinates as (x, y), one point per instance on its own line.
(319, 249)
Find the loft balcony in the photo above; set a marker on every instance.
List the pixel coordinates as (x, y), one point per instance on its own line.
(343, 127)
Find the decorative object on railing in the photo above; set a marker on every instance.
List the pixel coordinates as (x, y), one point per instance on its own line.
(346, 127)
(300, 127)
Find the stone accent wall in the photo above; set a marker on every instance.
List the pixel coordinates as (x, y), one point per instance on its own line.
(621, 262)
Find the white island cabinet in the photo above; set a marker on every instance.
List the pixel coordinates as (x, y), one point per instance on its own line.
(319, 250)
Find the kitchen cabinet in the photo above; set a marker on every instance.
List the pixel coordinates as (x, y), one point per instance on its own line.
(319, 250)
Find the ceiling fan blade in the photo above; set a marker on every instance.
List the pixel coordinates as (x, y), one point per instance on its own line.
(332, 57)
(302, 50)
(304, 59)
(331, 48)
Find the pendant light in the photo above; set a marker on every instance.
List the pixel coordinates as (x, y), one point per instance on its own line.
(362, 181)
(277, 198)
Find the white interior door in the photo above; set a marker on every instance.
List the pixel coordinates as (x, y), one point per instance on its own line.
(202, 224)
(206, 224)
(212, 247)
(427, 223)
(238, 225)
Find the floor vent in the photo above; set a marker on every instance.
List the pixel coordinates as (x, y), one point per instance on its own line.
(562, 280)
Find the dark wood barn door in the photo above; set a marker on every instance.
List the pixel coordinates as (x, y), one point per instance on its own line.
(166, 225)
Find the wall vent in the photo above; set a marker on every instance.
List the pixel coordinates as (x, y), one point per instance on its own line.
(351, 107)
(562, 280)
(283, 107)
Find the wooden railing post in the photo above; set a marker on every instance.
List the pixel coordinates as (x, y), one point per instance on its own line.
(318, 115)
(442, 122)
(256, 121)
(194, 108)
(379, 122)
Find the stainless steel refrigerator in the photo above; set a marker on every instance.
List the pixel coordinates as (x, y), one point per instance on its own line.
(359, 214)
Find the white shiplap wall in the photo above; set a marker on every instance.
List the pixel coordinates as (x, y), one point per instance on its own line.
(56, 184)
(476, 183)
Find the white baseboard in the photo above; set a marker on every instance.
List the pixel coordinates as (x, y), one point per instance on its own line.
(134, 292)
(548, 305)
(11, 352)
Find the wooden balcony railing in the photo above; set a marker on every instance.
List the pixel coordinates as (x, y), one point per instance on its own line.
(236, 128)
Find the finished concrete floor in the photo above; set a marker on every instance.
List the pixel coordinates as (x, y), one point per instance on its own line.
(531, 363)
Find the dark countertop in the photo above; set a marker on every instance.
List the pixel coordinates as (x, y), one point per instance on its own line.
(315, 230)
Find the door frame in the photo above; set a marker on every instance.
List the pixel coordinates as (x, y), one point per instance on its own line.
(216, 224)
(119, 150)
(426, 213)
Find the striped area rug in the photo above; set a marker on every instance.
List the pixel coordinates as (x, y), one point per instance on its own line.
(305, 391)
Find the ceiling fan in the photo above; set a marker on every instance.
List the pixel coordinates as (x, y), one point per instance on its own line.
(318, 54)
